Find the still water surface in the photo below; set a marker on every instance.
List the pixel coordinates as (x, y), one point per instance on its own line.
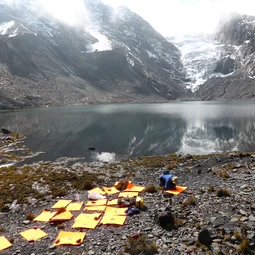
(128, 130)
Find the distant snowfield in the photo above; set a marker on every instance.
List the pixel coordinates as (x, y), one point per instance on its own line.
(103, 43)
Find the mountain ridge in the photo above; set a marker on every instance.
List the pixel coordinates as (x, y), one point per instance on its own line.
(45, 63)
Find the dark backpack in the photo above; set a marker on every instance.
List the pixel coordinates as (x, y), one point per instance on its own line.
(165, 218)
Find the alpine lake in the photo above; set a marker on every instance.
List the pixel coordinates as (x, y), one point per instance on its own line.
(111, 132)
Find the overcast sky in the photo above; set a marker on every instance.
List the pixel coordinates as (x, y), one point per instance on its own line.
(185, 16)
(169, 17)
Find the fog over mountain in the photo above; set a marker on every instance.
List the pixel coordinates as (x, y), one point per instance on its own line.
(92, 51)
(115, 57)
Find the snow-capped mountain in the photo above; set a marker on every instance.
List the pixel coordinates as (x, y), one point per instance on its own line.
(202, 56)
(237, 32)
(116, 57)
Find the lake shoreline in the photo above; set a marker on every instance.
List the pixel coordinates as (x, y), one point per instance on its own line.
(229, 218)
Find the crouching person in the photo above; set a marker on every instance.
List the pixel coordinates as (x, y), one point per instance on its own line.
(168, 181)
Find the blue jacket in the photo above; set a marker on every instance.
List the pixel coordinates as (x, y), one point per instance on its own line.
(166, 178)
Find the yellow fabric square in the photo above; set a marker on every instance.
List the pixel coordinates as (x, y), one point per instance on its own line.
(135, 189)
(97, 202)
(87, 216)
(62, 216)
(61, 203)
(100, 208)
(4, 243)
(115, 211)
(112, 202)
(97, 190)
(33, 234)
(45, 216)
(128, 194)
(74, 206)
(111, 190)
(89, 221)
(69, 238)
(178, 190)
(113, 220)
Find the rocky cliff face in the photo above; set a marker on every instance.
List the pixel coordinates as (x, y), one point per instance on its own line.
(238, 33)
(117, 57)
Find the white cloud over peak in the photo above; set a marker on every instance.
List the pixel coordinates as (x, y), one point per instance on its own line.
(185, 16)
(169, 17)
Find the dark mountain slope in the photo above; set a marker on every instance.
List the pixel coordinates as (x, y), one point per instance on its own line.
(118, 57)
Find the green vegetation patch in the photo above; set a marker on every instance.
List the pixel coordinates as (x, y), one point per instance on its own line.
(41, 180)
(137, 245)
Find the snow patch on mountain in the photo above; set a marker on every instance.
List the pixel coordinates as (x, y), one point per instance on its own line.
(5, 26)
(103, 43)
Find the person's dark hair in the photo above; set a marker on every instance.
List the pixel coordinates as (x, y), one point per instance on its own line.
(166, 171)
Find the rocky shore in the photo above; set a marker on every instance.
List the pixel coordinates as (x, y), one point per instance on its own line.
(215, 215)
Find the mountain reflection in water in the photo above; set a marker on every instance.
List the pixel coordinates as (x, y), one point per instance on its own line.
(117, 131)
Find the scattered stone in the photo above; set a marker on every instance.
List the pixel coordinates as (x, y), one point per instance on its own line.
(204, 237)
(243, 212)
(251, 218)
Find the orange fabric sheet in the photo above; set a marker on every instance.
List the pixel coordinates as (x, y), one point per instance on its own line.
(61, 203)
(135, 189)
(45, 216)
(33, 234)
(74, 206)
(100, 208)
(112, 202)
(4, 243)
(62, 216)
(113, 220)
(178, 190)
(69, 238)
(110, 190)
(128, 194)
(115, 211)
(89, 221)
(97, 190)
(97, 202)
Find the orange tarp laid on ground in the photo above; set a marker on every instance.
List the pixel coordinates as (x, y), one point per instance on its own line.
(45, 216)
(97, 202)
(66, 215)
(4, 243)
(128, 194)
(112, 202)
(100, 208)
(69, 238)
(115, 211)
(61, 203)
(178, 190)
(33, 234)
(87, 220)
(111, 190)
(97, 190)
(74, 206)
(135, 189)
(113, 220)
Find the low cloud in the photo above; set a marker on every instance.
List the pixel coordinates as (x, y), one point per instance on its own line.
(70, 12)
(169, 17)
